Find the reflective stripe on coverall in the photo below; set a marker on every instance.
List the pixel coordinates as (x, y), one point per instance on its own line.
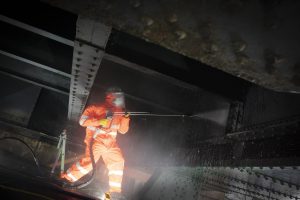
(105, 145)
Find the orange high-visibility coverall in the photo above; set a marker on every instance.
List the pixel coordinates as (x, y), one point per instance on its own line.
(104, 145)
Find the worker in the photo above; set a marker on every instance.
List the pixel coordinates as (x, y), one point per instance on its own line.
(102, 125)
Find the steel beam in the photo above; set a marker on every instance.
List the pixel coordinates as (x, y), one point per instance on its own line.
(91, 38)
(146, 70)
(269, 129)
(85, 36)
(36, 30)
(34, 82)
(238, 37)
(33, 73)
(34, 63)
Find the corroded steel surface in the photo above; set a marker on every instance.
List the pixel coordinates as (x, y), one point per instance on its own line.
(254, 40)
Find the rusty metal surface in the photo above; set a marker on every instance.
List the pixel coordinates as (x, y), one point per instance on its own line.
(222, 183)
(255, 40)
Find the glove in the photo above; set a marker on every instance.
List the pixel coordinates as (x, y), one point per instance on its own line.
(103, 122)
(109, 114)
(126, 114)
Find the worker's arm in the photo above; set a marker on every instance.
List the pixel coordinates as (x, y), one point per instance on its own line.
(124, 125)
(88, 117)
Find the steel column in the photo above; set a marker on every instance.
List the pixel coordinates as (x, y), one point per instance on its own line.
(91, 38)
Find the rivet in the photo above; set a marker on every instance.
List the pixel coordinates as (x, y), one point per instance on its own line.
(181, 34)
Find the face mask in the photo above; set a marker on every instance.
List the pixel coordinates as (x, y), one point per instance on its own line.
(117, 99)
(119, 102)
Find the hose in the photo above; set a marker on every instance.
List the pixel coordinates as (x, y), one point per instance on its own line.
(87, 182)
(32, 153)
(71, 186)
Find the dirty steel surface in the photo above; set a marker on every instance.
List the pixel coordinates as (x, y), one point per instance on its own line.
(255, 40)
(16, 185)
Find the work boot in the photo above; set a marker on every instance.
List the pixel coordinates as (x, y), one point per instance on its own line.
(64, 176)
(114, 196)
(64, 180)
(107, 196)
(59, 181)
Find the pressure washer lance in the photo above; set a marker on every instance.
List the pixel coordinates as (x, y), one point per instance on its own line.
(150, 114)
